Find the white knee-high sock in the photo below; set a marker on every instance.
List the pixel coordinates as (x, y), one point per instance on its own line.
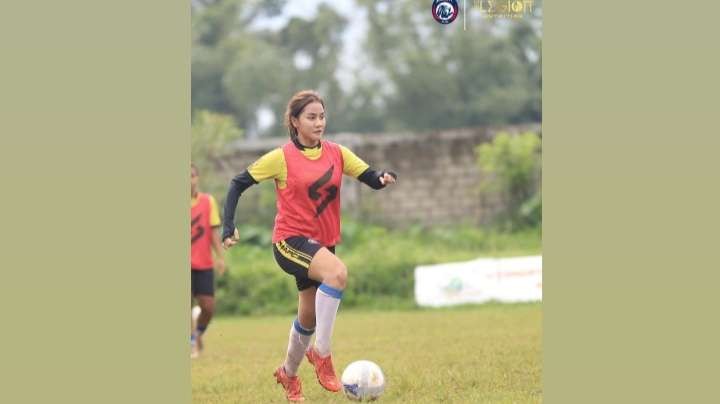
(297, 345)
(327, 301)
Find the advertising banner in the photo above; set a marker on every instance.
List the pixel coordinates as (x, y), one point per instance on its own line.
(507, 280)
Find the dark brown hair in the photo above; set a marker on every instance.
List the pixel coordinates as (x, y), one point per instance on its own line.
(297, 103)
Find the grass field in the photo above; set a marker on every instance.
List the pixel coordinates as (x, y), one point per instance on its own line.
(478, 354)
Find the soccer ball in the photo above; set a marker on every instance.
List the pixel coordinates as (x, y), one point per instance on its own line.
(363, 381)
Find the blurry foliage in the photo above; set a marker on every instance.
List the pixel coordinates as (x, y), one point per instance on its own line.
(512, 167)
(240, 71)
(445, 77)
(413, 73)
(210, 134)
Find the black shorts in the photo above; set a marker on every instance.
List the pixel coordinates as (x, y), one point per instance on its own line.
(202, 282)
(294, 255)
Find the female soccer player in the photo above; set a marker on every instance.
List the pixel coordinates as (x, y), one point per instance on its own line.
(204, 238)
(307, 172)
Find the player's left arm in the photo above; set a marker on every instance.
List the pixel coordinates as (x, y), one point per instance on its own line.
(356, 167)
(216, 243)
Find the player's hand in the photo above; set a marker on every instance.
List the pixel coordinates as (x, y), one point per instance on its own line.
(388, 178)
(231, 241)
(220, 266)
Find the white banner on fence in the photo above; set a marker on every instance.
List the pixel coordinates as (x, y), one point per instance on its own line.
(508, 280)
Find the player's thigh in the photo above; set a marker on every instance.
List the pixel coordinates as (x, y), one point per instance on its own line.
(293, 255)
(326, 265)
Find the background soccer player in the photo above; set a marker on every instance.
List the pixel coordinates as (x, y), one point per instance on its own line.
(204, 221)
(308, 174)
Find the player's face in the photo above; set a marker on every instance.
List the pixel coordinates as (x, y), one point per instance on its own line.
(311, 124)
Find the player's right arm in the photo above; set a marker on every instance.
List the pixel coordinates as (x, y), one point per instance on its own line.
(266, 167)
(355, 167)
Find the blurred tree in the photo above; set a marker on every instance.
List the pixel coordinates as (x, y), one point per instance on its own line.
(413, 74)
(440, 76)
(527, 43)
(241, 72)
(257, 75)
(222, 47)
(210, 134)
(311, 49)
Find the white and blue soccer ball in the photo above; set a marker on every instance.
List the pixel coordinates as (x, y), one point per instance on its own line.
(363, 381)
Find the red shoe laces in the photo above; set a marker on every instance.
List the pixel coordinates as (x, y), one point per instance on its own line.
(327, 366)
(294, 385)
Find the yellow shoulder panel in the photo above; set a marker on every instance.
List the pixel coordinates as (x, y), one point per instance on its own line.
(352, 164)
(214, 214)
(270, 166)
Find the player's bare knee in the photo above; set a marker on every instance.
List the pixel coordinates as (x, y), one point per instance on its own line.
(341, 276)
(307, 320)
(208, 306)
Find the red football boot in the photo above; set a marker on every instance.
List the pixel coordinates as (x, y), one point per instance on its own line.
(292, 386)
(324, 370)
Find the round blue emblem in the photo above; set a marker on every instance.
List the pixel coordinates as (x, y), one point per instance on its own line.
(445, 11)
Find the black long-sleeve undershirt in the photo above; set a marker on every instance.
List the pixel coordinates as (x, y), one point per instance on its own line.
(238, 185)
(244, 180)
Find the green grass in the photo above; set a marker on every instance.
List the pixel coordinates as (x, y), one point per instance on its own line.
(474, 354)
